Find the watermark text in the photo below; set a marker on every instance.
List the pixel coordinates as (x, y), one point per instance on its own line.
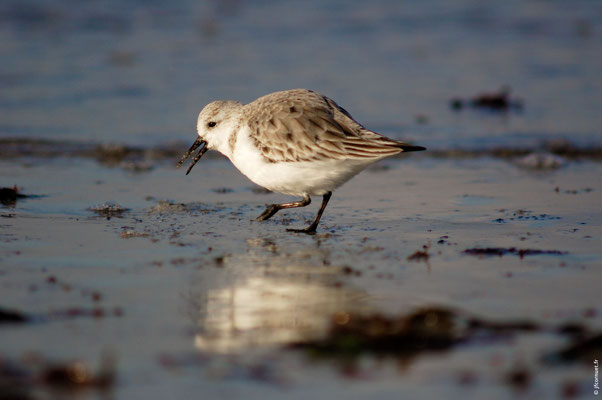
(596, 381)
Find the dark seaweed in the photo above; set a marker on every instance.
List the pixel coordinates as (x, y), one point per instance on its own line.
(501, 251)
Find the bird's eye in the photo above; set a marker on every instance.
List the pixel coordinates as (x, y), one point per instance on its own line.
(211, 124)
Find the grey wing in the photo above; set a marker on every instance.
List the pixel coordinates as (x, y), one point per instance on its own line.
(301, 125)
(362, 142)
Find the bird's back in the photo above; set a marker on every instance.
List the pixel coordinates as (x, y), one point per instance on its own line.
(303, 125)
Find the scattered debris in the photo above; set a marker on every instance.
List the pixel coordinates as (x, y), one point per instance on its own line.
(584, 348)
(437, 329)
(129, 233)
(421, 255)
(108, 210)
(573, 191)
(113, 155)
(12, 317)
(8, 316)
(501, 251)
(222, 190)
(566, 149)
(519, 377)
(164, 206)
(22, 378)
(79, 374)
(572, 329)
(220, 261)
(347, 270)
(133, 158)
(9, 196)
(499, 328)
(425, 330)
(95, 312)
(494, 101)
(444, 240)
(432, 329)
(525, 215)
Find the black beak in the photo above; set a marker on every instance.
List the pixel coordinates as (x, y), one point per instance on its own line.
(198, 142)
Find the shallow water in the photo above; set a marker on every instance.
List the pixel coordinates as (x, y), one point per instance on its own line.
(117, 254)
(139, 73)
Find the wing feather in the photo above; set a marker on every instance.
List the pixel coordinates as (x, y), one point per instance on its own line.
(302, 125)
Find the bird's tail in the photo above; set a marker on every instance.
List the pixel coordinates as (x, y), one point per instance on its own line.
(408, 147)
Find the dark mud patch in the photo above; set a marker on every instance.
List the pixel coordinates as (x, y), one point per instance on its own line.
(108, 210)
(351, 337)
(573, 191)
(33, 375)
(142, 159)
(444, 240)
(406, 336)
(12, 317)
(583, 348)
(425, 330)
(421, 255)
(519, 377)
(222, 190)
(129, 233)
(9, 316)
(83, 312)
(502, 251)
(133, 158)
(491, 101)
(9, 196)
(347, 270)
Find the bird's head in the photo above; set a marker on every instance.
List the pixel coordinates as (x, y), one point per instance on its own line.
(216, 122)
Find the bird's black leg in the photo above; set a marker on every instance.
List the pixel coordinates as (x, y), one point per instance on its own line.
(312, 228)
(274, 208)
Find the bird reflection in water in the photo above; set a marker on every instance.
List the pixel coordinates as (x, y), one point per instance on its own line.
(244, 306)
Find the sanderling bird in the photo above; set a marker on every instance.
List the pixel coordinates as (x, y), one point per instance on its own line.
(296, 142)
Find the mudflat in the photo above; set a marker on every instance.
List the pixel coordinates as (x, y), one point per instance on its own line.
(170, 278)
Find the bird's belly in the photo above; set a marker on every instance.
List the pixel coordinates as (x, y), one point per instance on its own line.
(302, 178)
(294, 178)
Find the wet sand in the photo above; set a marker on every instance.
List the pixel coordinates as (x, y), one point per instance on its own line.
(187, 293)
